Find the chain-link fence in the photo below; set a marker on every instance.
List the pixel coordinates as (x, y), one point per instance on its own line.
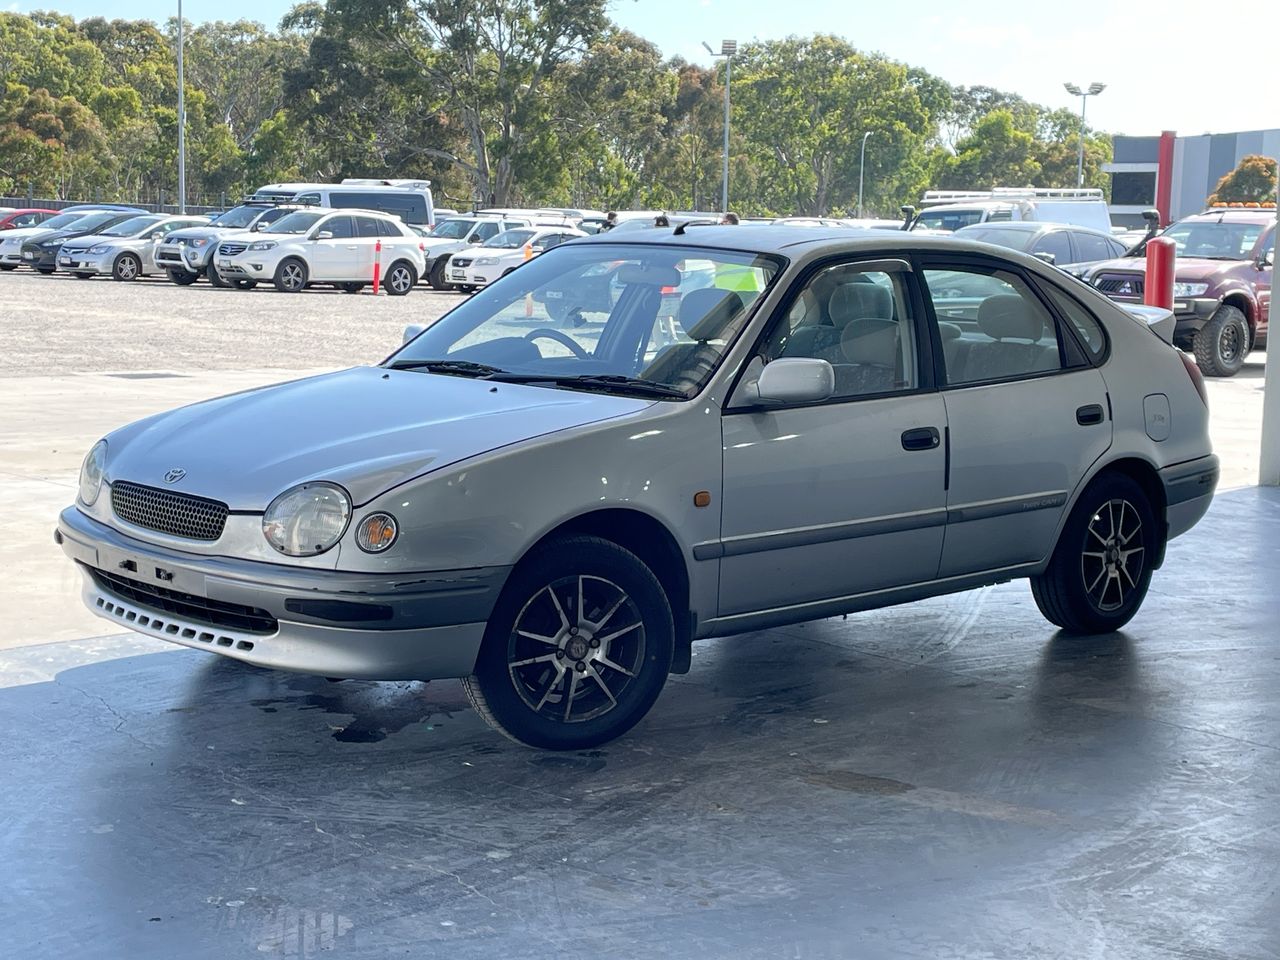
(47, 203)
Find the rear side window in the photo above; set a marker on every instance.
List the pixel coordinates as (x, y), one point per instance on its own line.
(1093, 247)
(367, 227)
(1085, 324)
(1057, 245)
(993, 327)
(387, 229)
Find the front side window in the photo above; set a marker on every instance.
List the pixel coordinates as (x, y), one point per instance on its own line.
(639, 320)
(993, 327)
(485, 231)
(857, 320)
(510, 240)
(340, 227)
(236, 217)
(452, 229)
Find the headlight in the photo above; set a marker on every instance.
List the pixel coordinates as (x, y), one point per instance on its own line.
(485, 262)
(262, 245)
(91, 473)
(1189, 289)
(99, 249)
(198, 242)
(377, 532)
(307, 519)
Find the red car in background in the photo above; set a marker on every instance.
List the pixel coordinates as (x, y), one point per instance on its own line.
(24, 217)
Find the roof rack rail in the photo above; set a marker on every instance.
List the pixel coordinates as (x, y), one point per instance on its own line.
(1011, 194)
(408, 184)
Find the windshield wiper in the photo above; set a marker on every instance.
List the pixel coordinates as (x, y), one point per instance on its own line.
(648, 388)
(465, 368)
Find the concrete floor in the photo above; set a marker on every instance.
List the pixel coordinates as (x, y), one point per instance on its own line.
(948, 779)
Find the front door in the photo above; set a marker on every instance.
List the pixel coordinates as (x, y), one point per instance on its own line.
(1028, 415)
(844, 497)
(332, 258)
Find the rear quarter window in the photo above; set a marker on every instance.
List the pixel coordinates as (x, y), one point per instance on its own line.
(1081, 320)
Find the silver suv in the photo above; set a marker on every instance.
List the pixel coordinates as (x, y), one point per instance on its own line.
(186, 254)
(460, 233)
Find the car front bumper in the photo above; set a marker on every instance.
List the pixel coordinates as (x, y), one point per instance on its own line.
(40, 258)
(190, 259)
(403, 626)
(82, 262)
(1192, 313)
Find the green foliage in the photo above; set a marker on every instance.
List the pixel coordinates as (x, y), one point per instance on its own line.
(1252, 181)
(505, 102)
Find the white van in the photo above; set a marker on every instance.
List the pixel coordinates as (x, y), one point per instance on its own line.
(410, 200)
(946, 211)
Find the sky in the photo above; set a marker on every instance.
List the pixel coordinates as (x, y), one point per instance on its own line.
(1182, 65)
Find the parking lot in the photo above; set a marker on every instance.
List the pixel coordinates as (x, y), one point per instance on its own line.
(919, 780)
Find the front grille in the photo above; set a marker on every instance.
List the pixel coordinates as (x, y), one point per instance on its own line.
(200, 610)
(455, 262)
(231, 249)
(177, 514)
(1120, 285)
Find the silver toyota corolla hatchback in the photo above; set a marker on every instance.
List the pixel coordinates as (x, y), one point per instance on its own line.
(727, 428)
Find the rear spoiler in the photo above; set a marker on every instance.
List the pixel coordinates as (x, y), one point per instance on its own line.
(1160, 320)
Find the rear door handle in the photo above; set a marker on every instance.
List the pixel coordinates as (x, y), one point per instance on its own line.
(1089, 414)
(921, 438)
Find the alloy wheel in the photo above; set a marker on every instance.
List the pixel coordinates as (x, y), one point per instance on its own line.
(1113, 555)
(291, 274)
(400, 280)
(577, 644)
(128, 268)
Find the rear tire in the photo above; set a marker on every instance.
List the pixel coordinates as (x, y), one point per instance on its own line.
(126, 268)
(81, 275)
(351, 287)
(291, 276)
(1102, 565)
(1221, 344)
(577, 649)
(436, 276)
(400, 278)
(184, 278)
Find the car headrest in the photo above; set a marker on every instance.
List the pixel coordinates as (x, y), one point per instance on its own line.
(856, 301)
(705, 313)
(870, 340)
(1007, 316)
(949, 331)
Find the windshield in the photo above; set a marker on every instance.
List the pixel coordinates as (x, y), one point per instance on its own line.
(61, 220)
(633, 319)
(1214, 241)
(236, 217)
(950, 220)
(131, 227)
(1013, 239)
(452, 229)
(91, 222)
(299, 222)
(510, 239)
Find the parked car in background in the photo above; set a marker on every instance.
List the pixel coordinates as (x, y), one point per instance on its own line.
(12, 240)
(409, 200)
(872, 223)
(187, 255)
(125, 251)
(324, 246)
(21, 217)
(40, 250)
(1222, 290)
(808, 222)
(1059, 244)
(497, 257)
(945, 211)
(460, 233)
(555, 515)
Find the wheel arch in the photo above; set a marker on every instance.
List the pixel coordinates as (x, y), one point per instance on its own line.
(1244, 303)
(650, 540)
(1145, 474)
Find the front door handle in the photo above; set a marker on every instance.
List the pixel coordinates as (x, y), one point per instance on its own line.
(921, 438)
(1089, 414)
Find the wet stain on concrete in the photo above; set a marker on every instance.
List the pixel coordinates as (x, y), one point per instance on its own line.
(856, 782)
(377, 711)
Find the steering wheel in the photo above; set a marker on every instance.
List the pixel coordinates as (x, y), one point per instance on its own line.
(564, 340)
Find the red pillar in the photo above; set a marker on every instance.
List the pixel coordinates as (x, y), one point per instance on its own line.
(1164, 177)
(1161, 255)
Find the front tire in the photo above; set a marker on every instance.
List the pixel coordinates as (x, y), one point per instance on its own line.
(1102, 565)
(184, 278)
(126, 268)
(435, 276)
(244, 284)
(291, 276)
(81, 275)
(577, 649)
(6, 267)
(47, 271)
(215, 278)
(400, 279)
(1221, 344)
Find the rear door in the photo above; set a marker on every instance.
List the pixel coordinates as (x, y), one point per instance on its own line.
(1027, 412)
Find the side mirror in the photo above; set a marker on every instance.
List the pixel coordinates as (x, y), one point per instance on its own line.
(260, 225)
(795, 380)
(323, 235)
(1049, 258)
(1268, 260)
(158, 235)
(412, 330)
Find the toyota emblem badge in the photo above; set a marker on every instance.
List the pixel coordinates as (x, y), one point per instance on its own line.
(174, 475)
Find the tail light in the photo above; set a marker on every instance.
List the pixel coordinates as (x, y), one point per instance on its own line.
(1197, 379)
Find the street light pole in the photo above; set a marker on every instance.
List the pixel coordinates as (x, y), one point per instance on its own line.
(182, 121)
(1084, 95)
(727, 49)
(862, 163)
